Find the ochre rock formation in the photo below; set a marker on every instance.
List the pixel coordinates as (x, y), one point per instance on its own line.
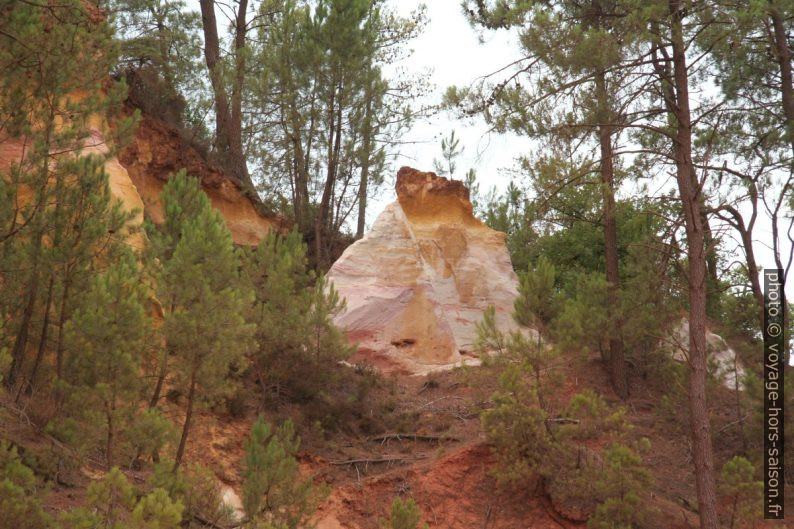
(137, 176)
(157, 151)
(418, 282)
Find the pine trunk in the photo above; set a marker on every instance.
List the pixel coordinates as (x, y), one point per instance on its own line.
(689, 190)
(21, 340)
(363, 184)
(191, 396)
(228, 119)
(42, 341)
(617, 363)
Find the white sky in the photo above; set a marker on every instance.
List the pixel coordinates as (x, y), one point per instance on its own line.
(449, 50)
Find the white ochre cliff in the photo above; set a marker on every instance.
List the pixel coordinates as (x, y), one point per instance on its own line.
(418, 282)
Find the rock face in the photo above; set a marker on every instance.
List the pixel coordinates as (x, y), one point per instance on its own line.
(157, 152)
(137, 176)
(12, 151)
(723, 361)
(418, 282)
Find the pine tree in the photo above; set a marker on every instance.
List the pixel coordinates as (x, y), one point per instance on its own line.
(320, 68)
(622, 486)
(294, 311)
(21, 503)
(273, 491)
(183, 201)
(743, 491)
(106, 339)
(53, 70)
(537, 302)
(157, 510)
(111, 504)
(585, 50)
(160, 51)
(206, 325)
(404, 515)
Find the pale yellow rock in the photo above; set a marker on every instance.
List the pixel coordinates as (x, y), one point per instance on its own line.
(418, 282)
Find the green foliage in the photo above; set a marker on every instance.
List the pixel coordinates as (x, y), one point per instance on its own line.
(529, 440)
(537, 302)
(156, 510)
(160, 53)
(201, 280)
(516, 428)
(743, 491)
(195, 488)
(183, 200)
(106, 339)
(320, 64)
(111, 498)
(150, 432)
(512, 214)
(621, 486)
(450, 151)
(273, 492)
(584, 324)
(293, 312)
(404, 515)
(199, 276)
(20, 494)
(592, 415)
(519, 351)
(111, 503)
(53, 97)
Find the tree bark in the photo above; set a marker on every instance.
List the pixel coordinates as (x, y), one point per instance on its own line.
(783, 56)
(334, 144)
(111, 432)
(365, 161)
(21, 339)
(191, 395)
(236, 154)
(162, 370)
(617, 363)
(746, 234)
(28, 386)
(696, 253)
(228, 116)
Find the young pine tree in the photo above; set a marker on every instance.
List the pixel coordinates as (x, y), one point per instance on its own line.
(21, 504)
(183, 201)
(111, 504)
(274, 495)
(404, 515)
(621, 486)
(743, 491)
(206, 325)
(106, 339)
(293, 310)
(57, 59)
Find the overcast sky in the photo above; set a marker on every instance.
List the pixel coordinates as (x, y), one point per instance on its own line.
(448, 52)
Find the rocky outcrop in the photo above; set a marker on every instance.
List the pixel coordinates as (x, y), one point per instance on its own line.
(137, 176)
(724, 363)
(157, 151)
(12, 152)
(417, 283)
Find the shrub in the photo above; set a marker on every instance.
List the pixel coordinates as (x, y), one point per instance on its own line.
(404, 515)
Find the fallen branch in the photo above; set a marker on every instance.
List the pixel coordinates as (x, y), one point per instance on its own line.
(562, 420)
(385, 459)
(413, 437)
